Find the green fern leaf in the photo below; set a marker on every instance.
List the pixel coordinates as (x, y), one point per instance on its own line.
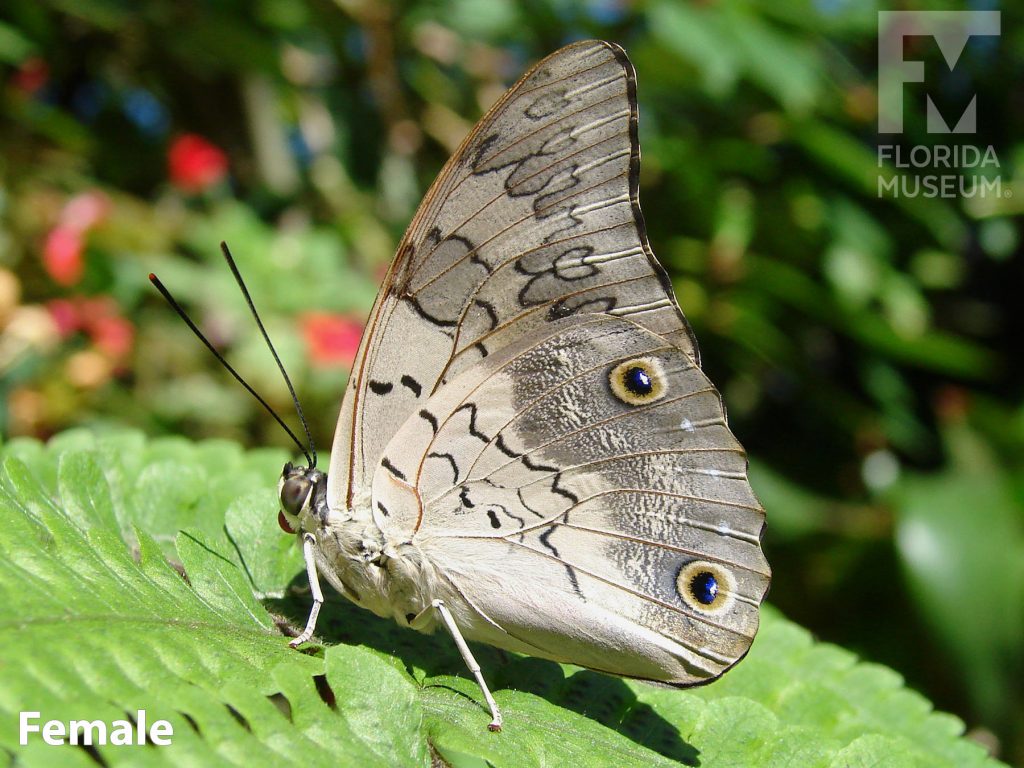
(151, 575)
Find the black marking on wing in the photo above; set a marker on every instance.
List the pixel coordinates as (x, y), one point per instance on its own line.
(533, 467)
(517, 518)
(380, 387)
(562, 308)
(476, 258)
(465, 242)
(492, 314)
(383, 510)
(568, 568)
(557, 271)
(572, 221)
(546, 104)
(451, 460)
(384, 462)
(464, 498)
(522, 501)
(479, 346)
(418, 308)
(481, 152)
(413, 385)
(471, 407)
(435, 240)
(563, 491)
(430, 242)
(556, 476)
(493, 517)
(430, 418)
(442, 304)
(499, 443)
(522, 179)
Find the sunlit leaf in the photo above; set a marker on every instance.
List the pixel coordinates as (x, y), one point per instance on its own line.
(123, 631)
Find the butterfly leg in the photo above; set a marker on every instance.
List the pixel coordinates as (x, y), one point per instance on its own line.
(308, 543)
(467, 656)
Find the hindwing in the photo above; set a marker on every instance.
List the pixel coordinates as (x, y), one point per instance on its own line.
(555, 500)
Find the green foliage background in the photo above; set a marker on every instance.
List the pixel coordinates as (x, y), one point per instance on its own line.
(868, 349)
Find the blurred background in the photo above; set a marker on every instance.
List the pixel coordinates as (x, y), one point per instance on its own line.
(868, 349)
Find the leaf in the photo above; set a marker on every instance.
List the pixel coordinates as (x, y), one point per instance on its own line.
(847, 157)
(84, 492)
(784, 65)
(94, 627)
(818, 697)
(968, 574)
(270, 560)
(725, 44)
(382, 700)
(795, 511)
(932, 350)
(14, 46)
(217, 579)
(696, 38)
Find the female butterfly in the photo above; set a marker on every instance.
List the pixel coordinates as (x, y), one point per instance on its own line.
(528, 452)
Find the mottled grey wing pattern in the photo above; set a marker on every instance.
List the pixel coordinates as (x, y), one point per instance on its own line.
(535, 218)
(573, 519)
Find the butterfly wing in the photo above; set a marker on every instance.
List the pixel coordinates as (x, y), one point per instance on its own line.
(575, 519)
(536, 217)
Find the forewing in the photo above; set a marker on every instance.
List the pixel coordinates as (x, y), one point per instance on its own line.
(575, 518)
(535, 218)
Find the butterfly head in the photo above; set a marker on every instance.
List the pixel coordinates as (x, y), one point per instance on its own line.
(303, 492)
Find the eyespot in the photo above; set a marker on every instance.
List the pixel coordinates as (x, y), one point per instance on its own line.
(294, 491)
(706, 587)
(638, 381)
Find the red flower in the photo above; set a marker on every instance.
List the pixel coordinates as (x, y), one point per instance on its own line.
(64, 248)
(65, 316)
(31, 76)
(113, 335)
(331, 340)
(62, 255)
(100, 318)
(85, 210)
(195, 164)
(92, 307)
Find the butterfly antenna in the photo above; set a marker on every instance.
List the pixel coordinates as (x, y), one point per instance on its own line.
(220, 358)
(266, 337)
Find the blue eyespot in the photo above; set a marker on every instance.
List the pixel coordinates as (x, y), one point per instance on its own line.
(704, 587)
(638, 381)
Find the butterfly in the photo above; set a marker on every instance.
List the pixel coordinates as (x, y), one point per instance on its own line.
(528, 453)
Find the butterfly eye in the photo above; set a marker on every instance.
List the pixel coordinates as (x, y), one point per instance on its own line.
(706, 587)
(638, 381)
(294, 491)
